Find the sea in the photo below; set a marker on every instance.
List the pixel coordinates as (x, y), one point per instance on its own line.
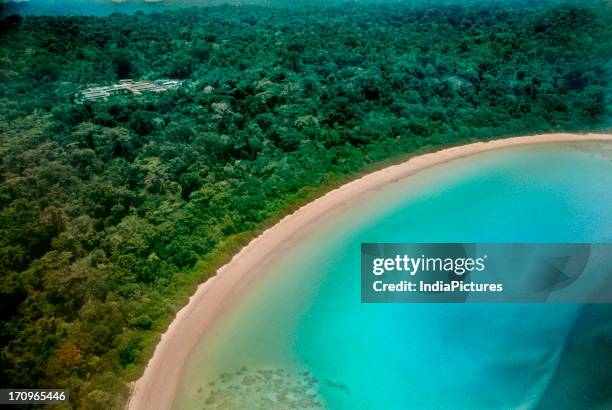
(107, 7)
(301, 338)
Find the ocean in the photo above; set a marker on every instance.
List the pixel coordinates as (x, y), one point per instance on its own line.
(301, 338)
(107, 7)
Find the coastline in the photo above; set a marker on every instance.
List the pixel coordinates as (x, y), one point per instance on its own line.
(156, 388)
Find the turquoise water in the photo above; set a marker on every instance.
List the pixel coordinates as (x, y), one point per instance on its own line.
(106, 7)
(302, 338)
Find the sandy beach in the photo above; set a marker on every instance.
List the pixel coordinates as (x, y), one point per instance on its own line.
(156, 389)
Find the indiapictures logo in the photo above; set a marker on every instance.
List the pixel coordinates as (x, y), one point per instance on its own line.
(458, 272)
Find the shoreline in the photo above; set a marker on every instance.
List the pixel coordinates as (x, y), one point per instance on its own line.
(156, 388)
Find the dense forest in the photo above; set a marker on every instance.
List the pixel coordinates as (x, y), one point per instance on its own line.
(113, 210)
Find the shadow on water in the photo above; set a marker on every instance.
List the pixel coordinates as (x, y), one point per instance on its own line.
(582, 377)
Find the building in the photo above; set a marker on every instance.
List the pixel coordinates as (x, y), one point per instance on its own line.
(128, 87)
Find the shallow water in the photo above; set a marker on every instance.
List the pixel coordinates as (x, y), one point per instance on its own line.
(301, 338)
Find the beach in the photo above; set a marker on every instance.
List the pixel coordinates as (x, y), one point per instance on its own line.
(156, 388)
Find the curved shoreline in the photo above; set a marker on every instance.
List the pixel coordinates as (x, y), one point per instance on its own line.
(157, 387)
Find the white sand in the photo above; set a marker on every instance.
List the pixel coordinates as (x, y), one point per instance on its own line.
(156, 389)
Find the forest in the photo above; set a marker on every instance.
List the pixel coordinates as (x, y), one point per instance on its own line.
(112, 211)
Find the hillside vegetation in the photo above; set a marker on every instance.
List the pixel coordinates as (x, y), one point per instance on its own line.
(112, 211)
